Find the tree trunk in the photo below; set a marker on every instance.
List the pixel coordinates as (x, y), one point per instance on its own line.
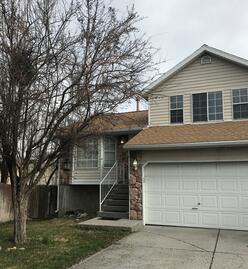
(20, 219)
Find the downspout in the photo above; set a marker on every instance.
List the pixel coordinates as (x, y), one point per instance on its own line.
(143, 191)
(129, 188)
(58, 186)
(101, 170)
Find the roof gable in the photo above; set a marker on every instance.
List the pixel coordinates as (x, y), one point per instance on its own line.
(205, 49)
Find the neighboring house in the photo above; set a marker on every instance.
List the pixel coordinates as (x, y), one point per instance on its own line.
(192, 160)
(97, 160)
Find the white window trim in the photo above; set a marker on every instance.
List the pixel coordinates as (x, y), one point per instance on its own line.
(208, 121)
(89, 167)
(231, 96)
(170, 109)
(233, 89)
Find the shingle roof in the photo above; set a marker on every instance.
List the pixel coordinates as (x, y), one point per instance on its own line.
(121, 121)
(111, 122)
(190, 133)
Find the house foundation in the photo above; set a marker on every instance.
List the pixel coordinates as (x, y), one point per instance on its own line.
(135, 188)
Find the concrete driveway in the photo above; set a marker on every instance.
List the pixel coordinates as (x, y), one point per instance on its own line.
(172, 247)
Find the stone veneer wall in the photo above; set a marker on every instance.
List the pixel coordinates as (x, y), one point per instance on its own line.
(135, 188)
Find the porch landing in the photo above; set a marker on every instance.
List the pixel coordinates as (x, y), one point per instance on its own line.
(105, 224)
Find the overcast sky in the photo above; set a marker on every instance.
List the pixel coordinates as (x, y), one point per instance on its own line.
(179, 27)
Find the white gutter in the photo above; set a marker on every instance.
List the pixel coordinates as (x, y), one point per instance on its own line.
(123, 131)
(187, 145)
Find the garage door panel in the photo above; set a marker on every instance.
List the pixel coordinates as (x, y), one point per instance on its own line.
(244, 221)
(172, 185)
(189, 171)
(172, 217)
(154, 200)
(154, 217)
(225, 170)
(190, 219)
(229, 220)
(172, 170)
(229, 203)
(243, 186)
(189, 201)
(209, 202)
(227, 185)
(207, 171)
(209, 219)
(218, 192)
(244, 203)
(157, 183)
(207, 184)
(171, 201)
(189, 185)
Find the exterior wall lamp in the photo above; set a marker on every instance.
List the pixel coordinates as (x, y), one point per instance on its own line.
(135, 164)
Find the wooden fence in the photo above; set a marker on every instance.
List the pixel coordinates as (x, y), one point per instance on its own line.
(42, 202)
(6, 212)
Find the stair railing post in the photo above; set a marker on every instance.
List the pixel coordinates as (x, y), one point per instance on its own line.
(100, 197)
(116, 172)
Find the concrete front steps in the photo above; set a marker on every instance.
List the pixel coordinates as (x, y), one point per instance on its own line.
(116, 204)
(110, 225)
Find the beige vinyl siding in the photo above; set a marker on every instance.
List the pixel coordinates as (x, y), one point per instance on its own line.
(159, 110)
(86, 176)
(219, 75)
(227, 105)
(192, 155)
(186, 108)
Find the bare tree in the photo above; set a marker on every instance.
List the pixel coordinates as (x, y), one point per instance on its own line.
(60, 62)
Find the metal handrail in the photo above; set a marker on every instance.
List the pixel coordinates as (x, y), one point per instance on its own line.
(105, 193)
(122, 173)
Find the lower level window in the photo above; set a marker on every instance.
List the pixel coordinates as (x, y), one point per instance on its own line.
(87, 154)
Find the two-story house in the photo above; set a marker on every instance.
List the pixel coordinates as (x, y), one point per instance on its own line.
(190, 165)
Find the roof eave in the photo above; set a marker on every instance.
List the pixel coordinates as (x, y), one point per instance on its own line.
(123, 131)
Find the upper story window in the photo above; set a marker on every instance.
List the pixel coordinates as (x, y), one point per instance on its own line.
(176, 109)
(215, 106)
(240, 104)
(87, 154)
(200, 109)
(207, 106)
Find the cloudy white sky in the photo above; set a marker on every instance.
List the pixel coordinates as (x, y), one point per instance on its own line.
(178, 27)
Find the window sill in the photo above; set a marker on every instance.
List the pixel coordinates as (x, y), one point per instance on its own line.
(86, 168)
(181, 123)
(240, 119)
(208, 121)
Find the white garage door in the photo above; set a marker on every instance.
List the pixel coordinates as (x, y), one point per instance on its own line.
(197, 194)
